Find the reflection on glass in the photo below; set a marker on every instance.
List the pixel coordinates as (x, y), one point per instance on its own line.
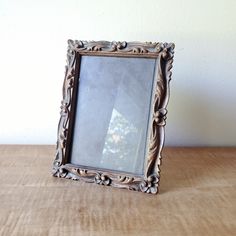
(117, 150)
(112, 113)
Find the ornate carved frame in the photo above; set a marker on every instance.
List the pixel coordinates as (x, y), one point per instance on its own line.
(149, 181)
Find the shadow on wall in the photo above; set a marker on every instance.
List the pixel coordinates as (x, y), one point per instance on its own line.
(194, 120)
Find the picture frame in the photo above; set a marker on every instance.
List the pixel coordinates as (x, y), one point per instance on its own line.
(161, 54)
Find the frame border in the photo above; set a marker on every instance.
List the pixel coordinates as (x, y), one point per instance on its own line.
(149, 181)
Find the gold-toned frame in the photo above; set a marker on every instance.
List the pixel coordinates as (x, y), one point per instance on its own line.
(149, 181)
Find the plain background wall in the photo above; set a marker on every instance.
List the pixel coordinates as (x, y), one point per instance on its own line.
(33, 42)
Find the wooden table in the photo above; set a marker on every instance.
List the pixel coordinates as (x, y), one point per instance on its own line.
(197, 197)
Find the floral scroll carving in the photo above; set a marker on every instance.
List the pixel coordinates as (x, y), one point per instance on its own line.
(149, 182)
(115, 48)
(158, 121)
(63, 126)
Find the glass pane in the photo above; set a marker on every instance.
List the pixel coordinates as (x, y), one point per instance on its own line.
(112, 113)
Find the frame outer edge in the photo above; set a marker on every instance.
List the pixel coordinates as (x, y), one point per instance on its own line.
(164, 52)
(63, 125)
(158, 121)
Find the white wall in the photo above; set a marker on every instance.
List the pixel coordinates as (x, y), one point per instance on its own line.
(33, 37)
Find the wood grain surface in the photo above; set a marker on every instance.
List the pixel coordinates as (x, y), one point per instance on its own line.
(197, 197)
